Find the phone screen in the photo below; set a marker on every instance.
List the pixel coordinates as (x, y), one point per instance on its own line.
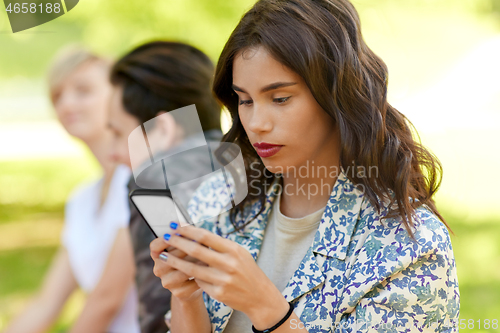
(159, 209)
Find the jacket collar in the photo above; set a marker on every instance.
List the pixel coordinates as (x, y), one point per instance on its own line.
(331, 240)
(339, 218)
(334, 231)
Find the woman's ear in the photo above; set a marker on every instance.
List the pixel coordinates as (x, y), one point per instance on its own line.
(165, 132)
(165, 123)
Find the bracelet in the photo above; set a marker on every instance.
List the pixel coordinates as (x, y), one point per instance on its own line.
(289, 313)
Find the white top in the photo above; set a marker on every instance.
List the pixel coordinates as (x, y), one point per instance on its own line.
(285, 244)
(89, 235)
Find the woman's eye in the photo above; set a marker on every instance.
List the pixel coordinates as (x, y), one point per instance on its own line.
(245, 102)
(281, 100)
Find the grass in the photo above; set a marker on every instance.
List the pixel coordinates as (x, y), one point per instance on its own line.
(22, 268)
(32, 196)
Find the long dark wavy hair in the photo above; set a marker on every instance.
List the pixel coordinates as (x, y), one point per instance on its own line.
(321, 41)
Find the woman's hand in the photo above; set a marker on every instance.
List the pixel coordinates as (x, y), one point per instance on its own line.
(180, 284)
(188, 309)
(231, 277)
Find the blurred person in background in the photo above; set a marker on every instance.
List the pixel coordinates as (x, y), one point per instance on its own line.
(150, 81)
(96, 252)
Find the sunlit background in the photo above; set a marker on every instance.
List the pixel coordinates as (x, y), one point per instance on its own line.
(444, 63)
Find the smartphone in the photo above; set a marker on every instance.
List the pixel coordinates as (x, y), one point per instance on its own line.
(158, 208)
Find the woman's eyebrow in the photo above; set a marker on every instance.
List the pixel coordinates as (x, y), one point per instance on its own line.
(267, 88)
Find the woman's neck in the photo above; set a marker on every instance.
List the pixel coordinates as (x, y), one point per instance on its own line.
(303, 196)
(99, 146)
(309, 187)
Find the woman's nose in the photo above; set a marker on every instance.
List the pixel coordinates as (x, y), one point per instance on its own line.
(63, 104)
(260, 119)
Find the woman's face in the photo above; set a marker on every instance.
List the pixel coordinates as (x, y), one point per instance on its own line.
(282, 119)
(82, 100)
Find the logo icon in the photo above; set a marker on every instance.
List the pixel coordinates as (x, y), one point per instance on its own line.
(26, 14)
(182, 168)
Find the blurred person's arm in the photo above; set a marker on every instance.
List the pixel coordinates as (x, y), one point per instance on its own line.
(107, 298)
(42, 312)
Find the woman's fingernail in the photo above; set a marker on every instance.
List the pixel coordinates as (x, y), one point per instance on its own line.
(166, 236)
(173, 225)
(163, 257)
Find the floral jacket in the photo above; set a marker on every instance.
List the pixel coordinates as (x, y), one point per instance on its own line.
(360, 274)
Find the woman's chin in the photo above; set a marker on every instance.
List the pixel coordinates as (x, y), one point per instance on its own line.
(274, 167)
(80, 131)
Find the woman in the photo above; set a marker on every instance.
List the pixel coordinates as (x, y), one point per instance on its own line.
(339, 231)
(96, 253)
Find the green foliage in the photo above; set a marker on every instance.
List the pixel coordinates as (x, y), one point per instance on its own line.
(21, 269)
(477, 254)
(39, 186)
(417, 38)
(113, 27)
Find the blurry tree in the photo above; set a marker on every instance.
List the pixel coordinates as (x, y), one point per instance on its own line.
(113, 27)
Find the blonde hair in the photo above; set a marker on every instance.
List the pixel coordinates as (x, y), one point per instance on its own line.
(66, 61)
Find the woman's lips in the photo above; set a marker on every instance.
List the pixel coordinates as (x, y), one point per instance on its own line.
(266, 149)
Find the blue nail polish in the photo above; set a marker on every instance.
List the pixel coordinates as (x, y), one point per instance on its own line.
(173, 225)
(163, 257)
(166, 236)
